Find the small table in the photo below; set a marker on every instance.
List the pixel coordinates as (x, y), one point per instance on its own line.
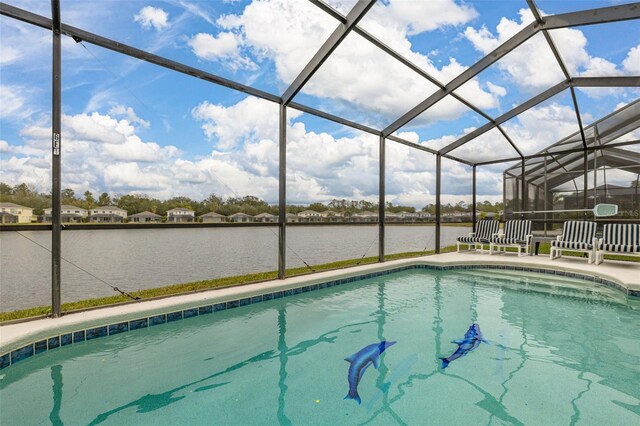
(536, 240)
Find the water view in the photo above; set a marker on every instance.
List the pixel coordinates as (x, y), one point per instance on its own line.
(136, 259)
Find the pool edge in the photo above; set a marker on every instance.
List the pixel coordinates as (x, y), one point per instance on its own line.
(32, 338)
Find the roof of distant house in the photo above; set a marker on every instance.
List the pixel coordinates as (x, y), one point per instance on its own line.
(108, 208)
(6, 204)
(179, 209)
(264, 215)
(146, 214)
(240, 214)
(67, 207)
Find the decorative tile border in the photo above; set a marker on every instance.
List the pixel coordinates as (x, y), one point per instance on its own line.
(79, 336)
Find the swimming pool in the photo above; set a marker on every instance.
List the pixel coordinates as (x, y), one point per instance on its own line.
(560, 351)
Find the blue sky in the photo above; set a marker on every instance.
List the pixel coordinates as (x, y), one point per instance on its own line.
(132, 127)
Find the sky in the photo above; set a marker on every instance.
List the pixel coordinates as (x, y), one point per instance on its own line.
(133, 127)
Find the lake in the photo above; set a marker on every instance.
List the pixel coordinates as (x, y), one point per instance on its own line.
(135, 259)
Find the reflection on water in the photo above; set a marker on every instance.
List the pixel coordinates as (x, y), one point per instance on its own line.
(553, 359)
(135, 259)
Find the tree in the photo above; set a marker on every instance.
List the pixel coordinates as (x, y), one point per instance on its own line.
(104, 199)
(68, 196)
(5, 189)
(88, 198)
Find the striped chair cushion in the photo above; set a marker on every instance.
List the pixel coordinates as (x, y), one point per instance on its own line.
(578, 231)
(517, 229)
(472, 240)
(620, 248)
(485, 229)
(575, 245)
(624, 234)
(505, 240)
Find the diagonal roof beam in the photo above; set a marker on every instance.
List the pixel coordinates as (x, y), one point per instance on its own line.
(577, 111)
(587, 17)
(78, 34)
(513, 145)
(547, 36)
(334, 40)
(334, 118)
(397, 56)
(507, 116)
(576, 82)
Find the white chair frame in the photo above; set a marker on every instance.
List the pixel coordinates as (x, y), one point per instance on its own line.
(556, 252)
(495, 248)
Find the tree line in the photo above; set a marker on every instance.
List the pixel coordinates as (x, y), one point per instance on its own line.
(27, 195)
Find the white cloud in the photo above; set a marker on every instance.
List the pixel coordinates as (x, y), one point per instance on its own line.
(121, 110)
(250, 119)
(105, 153)
(495, 89)
(541, 126)
(150, 16)
(4, 147)
(631, 64)
(357, 73)
(14, 105)
(532, 66)
(225, 47)
(9, 54)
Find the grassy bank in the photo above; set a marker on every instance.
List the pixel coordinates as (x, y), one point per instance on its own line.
(236, 281)
(196, 286)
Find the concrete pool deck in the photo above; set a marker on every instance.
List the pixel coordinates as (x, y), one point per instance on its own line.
(13, 336)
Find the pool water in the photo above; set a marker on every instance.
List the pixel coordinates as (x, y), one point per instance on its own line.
(561, 352)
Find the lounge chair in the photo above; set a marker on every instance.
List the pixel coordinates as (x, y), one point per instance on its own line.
(517, 234)
(577, 235)
(618, 238)
(485, 229)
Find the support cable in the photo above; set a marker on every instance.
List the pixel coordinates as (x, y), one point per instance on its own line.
(220, 180)
(272, 231)
(114, 288)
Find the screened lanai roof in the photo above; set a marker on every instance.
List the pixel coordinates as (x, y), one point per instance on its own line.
(458, 79)
(617, 133)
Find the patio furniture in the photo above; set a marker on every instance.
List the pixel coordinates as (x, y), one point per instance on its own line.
(577, 235)
(484, 230)
(618, 238)
(517, 234)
